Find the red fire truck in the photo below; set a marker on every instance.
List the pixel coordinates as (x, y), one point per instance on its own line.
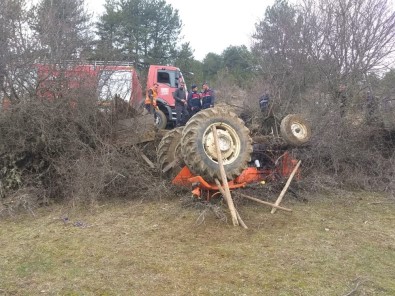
(168, 78)
(106, 80)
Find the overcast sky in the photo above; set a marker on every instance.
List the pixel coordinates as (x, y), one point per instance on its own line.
(212, 25)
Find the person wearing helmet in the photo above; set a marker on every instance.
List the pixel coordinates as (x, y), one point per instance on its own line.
(208, 96)
(194, 100)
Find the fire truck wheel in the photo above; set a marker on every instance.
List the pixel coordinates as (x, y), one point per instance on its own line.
(168, 149)
(198, 146)
(161, 119)
(295, 130)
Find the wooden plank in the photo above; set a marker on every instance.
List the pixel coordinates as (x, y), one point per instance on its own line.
(171, 165)
(143, 156)
(280, 197)
(150, 163)
(227, 196)
(264, 202)
(221, 189)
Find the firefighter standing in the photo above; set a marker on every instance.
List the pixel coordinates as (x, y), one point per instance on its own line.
(150, 100)
(194, 100)
(180, 97)
(208, 96)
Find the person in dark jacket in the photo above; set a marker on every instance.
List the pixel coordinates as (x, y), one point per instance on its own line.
(180, 97)
(208, 96)
(264, 101)
(194, 100)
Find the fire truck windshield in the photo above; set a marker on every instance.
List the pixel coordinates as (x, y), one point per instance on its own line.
(169, 77)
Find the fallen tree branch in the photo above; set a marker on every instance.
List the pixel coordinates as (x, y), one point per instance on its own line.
(359, 282)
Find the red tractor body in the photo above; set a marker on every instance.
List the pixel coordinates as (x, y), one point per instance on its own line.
(279, 169)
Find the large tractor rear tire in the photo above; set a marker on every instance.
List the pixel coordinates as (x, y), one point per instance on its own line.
(169, 149)
(295, 130)
(198, 146)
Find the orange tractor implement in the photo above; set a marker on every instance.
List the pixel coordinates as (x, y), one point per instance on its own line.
(202, 189)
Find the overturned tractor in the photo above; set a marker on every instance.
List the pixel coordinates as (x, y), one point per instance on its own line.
(189, 155)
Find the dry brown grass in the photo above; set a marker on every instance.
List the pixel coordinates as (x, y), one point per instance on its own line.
(331, 245)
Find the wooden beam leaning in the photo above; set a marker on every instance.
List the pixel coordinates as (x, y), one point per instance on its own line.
(143, 156)
(280, 197)
(150, 163)
(221, 189)
(171, 165)
(227, 196)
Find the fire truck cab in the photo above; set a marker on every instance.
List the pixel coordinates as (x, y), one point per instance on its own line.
(168, 78)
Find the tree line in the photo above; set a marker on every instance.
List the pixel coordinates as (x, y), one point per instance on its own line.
(295, 49)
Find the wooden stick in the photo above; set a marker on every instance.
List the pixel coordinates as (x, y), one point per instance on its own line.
(241, 220)
(227, 196)
(264, 202)
(221, 189)
(149, 162)
(280, 197)
(171, 165)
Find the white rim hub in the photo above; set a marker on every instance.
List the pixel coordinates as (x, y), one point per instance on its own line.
(229, 143)
(299, 130)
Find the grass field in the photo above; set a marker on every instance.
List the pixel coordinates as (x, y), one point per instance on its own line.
(342, 245)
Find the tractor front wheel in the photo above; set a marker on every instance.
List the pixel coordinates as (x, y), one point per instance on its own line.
(295, 130)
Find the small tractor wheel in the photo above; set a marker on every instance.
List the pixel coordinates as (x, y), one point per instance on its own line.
(198, 146)
(295, 130)
(161, 119)
(168, 149)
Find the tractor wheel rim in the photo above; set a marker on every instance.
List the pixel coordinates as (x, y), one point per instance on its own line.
(229, 143)
(299, 130)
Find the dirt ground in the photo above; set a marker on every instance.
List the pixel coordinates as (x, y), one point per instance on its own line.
(330, 245)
